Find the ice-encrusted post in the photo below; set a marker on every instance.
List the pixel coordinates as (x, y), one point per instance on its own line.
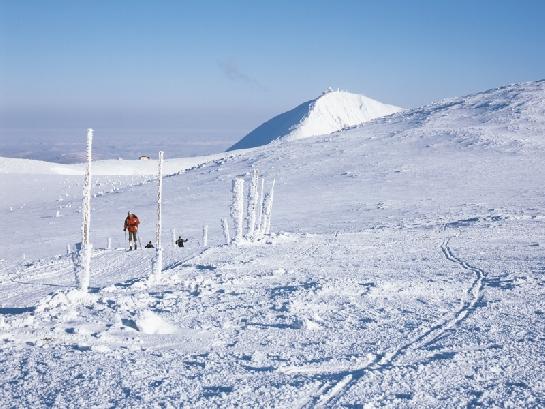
(265, 227)
(205, 235)
(173, 238)
(269, 208)
(225, 226)
(237, 207)
(158, 260)
(260, 206)
(86, 247)
(251, 214)
(109, 243)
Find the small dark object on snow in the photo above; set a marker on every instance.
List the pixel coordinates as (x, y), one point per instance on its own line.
(180, 242)
(149, 245)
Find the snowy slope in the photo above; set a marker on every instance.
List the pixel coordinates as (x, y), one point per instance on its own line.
(406, 269)
(512, 116)
(330, 112)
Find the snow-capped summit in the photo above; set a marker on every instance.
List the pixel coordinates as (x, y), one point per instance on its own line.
(330, 112)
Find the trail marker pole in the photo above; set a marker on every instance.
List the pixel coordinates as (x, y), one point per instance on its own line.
(158, 261)
(86, 247)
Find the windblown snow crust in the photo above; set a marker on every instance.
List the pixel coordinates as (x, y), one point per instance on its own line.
(332, 111)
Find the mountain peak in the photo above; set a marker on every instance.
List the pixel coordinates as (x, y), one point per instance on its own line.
(330, 112)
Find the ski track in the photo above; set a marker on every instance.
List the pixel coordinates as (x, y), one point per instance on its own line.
(338, 383)
(45, 275)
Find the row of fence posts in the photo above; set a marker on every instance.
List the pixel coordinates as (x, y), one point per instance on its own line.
(258, 219)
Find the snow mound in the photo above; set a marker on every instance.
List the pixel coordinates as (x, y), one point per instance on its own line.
(152, 324)
(330, 112)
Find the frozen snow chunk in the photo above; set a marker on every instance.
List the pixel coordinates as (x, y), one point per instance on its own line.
(64, 299)
(151, 323)
(311, 325)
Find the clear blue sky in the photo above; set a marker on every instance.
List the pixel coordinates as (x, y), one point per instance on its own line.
(225, 66)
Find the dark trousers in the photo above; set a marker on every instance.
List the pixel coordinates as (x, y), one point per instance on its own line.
(132, 236)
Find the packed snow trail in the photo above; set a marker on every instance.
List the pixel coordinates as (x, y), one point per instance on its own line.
(31, 283)
(331, 392)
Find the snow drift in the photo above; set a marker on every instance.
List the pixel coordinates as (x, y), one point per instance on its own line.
(330, 112)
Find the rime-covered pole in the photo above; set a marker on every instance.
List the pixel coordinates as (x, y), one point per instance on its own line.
(86, 248)
(158, 261)
(265, 227)
(269, 208)
(225, 227)
(260, 206)
(173, 238)
(205, 235)
(251, 214)
(237, 207)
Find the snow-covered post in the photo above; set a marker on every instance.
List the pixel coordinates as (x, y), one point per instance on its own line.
(109, 243)
(267, 210)
(86, 247)
(237, 207)
(225, 226)
(251, 214)
(260, 206)
(205, 235)
(68, 250)
(158, 261)
(173, 238)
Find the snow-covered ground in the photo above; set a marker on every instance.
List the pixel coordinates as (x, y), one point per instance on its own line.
(406, 269)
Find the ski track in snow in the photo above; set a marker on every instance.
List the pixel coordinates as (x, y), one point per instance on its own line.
(332, 391)
(43, 276)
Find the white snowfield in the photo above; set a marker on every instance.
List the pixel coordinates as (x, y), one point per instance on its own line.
(406, 268)
(12, 166)
(330, 112)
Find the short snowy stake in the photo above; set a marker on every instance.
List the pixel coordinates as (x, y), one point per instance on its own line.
(205, 235)
(225, 227)
(158, 260)
(86, 247)
(173, 238)
(237, 207)
(251, 214)
(109, 243)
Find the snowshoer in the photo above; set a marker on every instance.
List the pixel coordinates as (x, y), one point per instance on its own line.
(131, 224)
(149, 245)
(180, 242)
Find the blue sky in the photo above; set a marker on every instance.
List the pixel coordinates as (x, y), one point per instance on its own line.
(219, 68)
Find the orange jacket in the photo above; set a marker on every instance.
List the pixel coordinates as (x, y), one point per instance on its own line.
(131, 223)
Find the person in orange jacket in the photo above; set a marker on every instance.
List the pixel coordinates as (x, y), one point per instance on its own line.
(131, 224)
